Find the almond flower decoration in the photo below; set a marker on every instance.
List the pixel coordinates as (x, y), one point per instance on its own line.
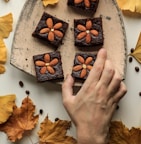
(47, 64)
(52, 29)
(86, 2)
(83, 66)
(86, 31)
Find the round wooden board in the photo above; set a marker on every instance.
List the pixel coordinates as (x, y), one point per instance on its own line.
(25, 46)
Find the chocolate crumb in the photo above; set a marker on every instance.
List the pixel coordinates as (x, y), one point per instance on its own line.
(137, 69)
(139, 93)
(56, 119)
(132, 50)
(21, 84)
(27, 92)
(130, 59)
(117, 107)
(41, 111)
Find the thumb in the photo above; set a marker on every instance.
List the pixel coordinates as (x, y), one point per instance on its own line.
(67, 90)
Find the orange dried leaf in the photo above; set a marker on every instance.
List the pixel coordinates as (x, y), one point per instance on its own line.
(6, 25)
(2, 69)
(51, 2)
(7, 103)
(120, 134)
(3, 52)
(130, 5)
(137, 52)
(55, 133)
(22, 120)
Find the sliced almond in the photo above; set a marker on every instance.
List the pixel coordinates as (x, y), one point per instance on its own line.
(47, 58)
(43, 70)
(83, 73)
(58, 33)
(80, 59)
(77, 67)
(54, 62)
(94, 32)
(44, 30)
(58, 25)
(50, 70)
(89, 24)
(39, 63)
(81, 27)
(88, 60)
(89, 67)
(78, 1)
(51, 36)
(88, 38)
(49, 23)
(81, 35)
(87, 3)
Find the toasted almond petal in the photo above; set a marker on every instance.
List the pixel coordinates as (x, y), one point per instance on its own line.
(54, 62)
(51, 36)
(43, 70)
(39, 63)
(89, 67)
(77, 1)
(87, 3)
(88, 38)
(80, 59)
(89, 24)
(44, 30)
(49, 23)
(47, 58)
(94, 32)
(77, 67)
(81, 35)
(83, 73)
(58, 33)
(50, 70)
(88, 60)
(58, 25)
(81, 27)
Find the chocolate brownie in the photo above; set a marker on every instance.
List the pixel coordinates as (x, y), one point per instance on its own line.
(89, 5)
(51, 29)
(48, 66)
(83, 63)
(88, 32)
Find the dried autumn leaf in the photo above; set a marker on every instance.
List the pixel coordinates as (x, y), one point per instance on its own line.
(22, 120)
(130, 5)
(55, 133)
(120, 134)
(7, 103)
(51, 2)
(6, 25)
(3, 52)
(2, 69)
(137, 52)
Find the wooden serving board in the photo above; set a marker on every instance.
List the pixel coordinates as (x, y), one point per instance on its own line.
(25, 46)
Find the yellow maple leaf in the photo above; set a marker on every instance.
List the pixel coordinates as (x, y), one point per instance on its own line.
(21, 120)
(51, 2)
(7, 103)
(137, 52)
(6, 25)
(120, 134)
(3, 52)
(55, 133)
(130, 5)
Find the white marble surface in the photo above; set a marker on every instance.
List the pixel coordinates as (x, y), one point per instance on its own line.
(47, 96)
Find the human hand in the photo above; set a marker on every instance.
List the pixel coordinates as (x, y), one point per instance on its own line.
(92, 108)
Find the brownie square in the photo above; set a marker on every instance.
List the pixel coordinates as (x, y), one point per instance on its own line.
(88, 32)
(88, 6)
(48, 66)
(83, 63)
(50, 29)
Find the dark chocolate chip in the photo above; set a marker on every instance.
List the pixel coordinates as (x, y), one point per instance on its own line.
(21, 83)
(56, 119)
(137, 69)
(130, 59)
(132, 50)
(41, 111)
(27, 92)
(139, 93)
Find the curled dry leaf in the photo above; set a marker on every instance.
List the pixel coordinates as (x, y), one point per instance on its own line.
(130, 5)
(51, 2)
(137, 52)
(7, 103)
(3, 52)
(6, 25)
(21, 120)
(55, 133)
(120, 134)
